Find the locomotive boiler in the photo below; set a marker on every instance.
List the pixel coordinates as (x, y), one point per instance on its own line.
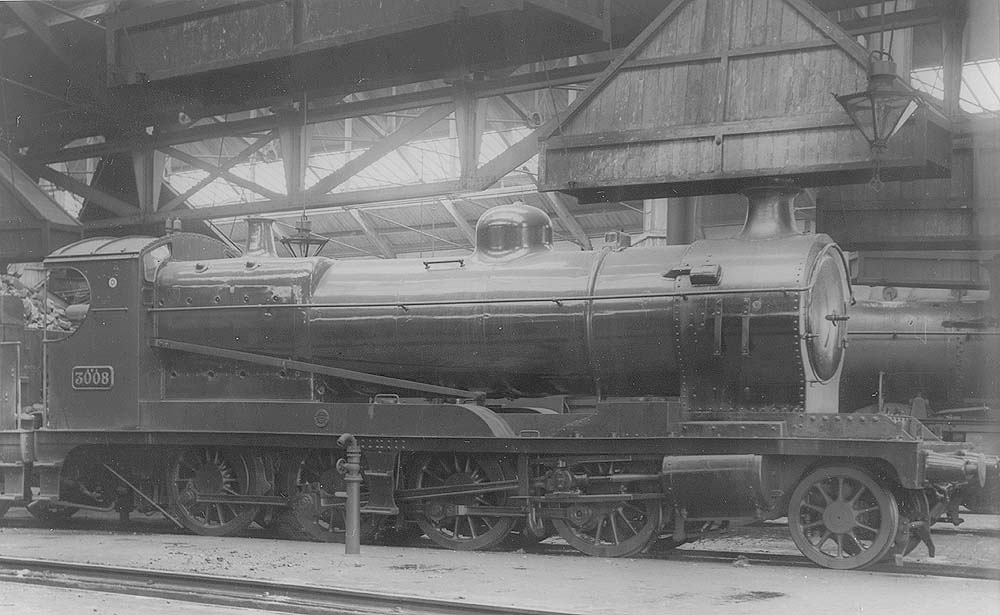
(745, 323)
(211, 387)
(946, 351)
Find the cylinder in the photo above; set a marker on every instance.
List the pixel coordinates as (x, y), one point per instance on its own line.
(716, 485)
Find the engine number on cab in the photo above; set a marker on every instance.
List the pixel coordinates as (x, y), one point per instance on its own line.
(93, 377)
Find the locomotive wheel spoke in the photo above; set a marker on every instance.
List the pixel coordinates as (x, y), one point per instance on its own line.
(854, 528)
(211, 472)
(610, 529)
(614, 530)
(311, 481)
(460, 532)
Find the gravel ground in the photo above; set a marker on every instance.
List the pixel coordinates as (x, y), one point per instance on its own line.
(565, 583)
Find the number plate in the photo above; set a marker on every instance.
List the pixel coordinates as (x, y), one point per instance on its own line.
(93, 377)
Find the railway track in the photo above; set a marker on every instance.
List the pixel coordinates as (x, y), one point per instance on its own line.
(235, 592)
(798, 561)
(754, 558)
(692, 552)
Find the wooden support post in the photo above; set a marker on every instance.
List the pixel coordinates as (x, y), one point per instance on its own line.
(469, 122)
(953, 40)
(147, 165)
(295, 144)
(680, 220)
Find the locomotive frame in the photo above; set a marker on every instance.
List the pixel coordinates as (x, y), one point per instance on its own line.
(611, 483)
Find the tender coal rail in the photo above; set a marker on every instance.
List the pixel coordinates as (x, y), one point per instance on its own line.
(235, 592)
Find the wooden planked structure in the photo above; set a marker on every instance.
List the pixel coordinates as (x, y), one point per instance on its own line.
(716, 94)
(334, 42)
(958, 213)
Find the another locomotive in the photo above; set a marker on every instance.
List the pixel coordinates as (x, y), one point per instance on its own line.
(213, 387)
(934, 360)
(946, 351)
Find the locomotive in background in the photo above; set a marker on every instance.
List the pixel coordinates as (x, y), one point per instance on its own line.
(935, 360)
(212, 387)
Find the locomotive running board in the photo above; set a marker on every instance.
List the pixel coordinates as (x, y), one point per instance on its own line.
(337, 372)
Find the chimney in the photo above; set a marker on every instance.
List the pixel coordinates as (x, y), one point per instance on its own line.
(770, 213)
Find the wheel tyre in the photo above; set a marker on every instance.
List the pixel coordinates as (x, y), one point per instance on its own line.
(466, 532)
(307, 479)
(212, 470)
(840, 517)
(617, 529)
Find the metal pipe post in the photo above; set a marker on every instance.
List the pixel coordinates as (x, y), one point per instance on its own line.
(351, 469)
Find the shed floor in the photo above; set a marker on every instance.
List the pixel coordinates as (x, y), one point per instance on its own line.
(565, 583)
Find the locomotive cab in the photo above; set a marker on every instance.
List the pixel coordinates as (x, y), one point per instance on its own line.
(97, 372)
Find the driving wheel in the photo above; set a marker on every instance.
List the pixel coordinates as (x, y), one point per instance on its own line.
(610, 529)
(441, 518)
(199, 472)
(316, 512)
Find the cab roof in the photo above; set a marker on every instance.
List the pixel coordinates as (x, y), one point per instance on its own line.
(185, 246)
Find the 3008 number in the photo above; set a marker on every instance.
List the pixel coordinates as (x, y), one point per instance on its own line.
(93, 377)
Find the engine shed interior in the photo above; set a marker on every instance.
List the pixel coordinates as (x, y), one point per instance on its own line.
(614, 272)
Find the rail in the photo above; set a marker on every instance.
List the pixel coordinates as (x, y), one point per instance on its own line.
(235, 592)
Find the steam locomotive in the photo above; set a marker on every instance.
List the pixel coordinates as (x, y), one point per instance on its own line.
(211, 387)
(935, 360)
(946, 351)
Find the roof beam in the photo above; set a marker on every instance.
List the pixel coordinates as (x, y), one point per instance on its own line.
(227, 175)
(256, 208)
(379, 242)
(572, 225)
(42, 32)
(413, 229)
(243, 156)
(372, 106)
(513, 157)
(402, 136)
(102, 199)
(84, 12)
(897, 21)
(460, 221)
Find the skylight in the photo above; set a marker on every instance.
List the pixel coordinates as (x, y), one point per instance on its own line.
(980, 93)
